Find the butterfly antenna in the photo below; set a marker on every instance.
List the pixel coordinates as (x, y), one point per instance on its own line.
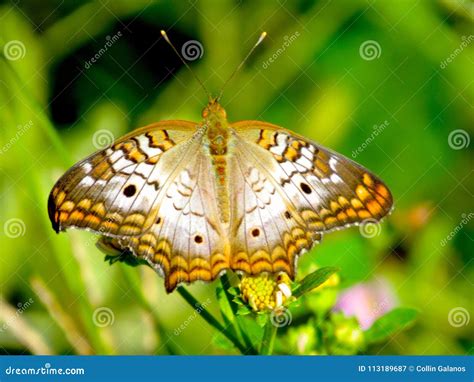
(260, 39)
(165, 36)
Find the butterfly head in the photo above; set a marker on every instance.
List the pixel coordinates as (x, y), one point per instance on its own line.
(214, 110)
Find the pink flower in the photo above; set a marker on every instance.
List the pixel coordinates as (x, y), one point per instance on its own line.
(367, 301)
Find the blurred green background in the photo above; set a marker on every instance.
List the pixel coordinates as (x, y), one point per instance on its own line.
(335, 71)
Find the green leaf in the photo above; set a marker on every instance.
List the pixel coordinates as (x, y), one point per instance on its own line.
(314, 280)
(225, 308)
(262, 319)
(222, 342)
(233, 291)
(243, 310)
(251, 328)
(238, 300)
(391, 323)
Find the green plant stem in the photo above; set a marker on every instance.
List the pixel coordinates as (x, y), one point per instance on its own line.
(268, 339)
(225, 282)
(211, 320)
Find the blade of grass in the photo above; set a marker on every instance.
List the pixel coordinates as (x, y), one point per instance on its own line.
(225, 282)
(62, 318)
(134, 281)
(25, 95)
(29, 336)
(211, 320)
(268, 340)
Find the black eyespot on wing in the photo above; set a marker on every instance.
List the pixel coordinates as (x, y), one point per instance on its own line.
(130, 190)
(255, 232)
(305, 188)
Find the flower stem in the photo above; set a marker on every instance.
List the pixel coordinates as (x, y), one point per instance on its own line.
(210, 319)
(225, 282)
(268, 339)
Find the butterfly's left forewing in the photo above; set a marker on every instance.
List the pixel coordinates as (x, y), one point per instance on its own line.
(114, 191)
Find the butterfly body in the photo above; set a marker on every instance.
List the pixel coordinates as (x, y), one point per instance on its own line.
(196, 199)
(219, 145)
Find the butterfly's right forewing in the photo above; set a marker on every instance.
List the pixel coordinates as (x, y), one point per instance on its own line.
(296, 190)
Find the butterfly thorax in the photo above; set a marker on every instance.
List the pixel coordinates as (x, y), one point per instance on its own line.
(217, 142)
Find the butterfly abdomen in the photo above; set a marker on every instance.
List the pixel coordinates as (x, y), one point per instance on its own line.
(219, 163)
(218, 146)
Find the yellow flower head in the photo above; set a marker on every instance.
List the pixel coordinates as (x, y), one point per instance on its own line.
(265, 292)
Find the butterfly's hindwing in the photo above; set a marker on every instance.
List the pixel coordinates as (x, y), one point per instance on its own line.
(268, 234)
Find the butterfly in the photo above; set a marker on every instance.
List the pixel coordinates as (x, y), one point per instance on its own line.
(195, 199)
